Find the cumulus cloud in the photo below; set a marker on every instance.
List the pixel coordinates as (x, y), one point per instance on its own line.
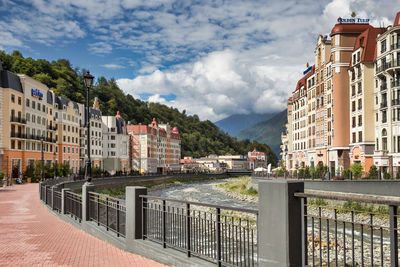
(217, 57)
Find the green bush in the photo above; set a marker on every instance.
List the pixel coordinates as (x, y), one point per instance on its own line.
(373, 172)
(346, 173)
(317, 202)
(386, 176)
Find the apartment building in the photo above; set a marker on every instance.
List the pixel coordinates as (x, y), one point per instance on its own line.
(299, 118)
(115, 144)
(154, 148)
(68, 119)
(387, 100)
(331, 105)
(96, 135)
(361, 95)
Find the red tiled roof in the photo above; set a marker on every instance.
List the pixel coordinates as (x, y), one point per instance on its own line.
(303, 80)
(367, 40)
(397, 20)
(349, 28)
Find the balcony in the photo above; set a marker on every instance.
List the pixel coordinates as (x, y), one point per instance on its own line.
(384, 104)
(395, 46)
(18, 119)
(383, 86)
(51, 127)
(395, 83)
(18, 135)
(395, 102)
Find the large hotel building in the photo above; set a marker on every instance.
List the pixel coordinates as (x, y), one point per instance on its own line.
(33, 119)
(346, 107)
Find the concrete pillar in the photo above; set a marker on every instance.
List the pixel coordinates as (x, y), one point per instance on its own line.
(86, 188)
(280, 223)
(134, 211)
(63, 202)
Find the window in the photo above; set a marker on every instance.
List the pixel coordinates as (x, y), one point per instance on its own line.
(353, 122)
(353, 106)
(354, 138)
(38, 106)
(19, 100)
(359, 137)
(360, 120)
(44, 108)
(33, 104)
(33, 118)
(12, 144)
(383, 46)
(27, 103)
(12, 98)
(359, 104)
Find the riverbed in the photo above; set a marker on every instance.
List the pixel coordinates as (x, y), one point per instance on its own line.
(204, 192)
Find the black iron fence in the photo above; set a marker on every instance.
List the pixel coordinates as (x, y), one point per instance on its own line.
(108, 211)
(73, 205)
(358, 232)
(224, 235)
(57, 200)
(48, 195)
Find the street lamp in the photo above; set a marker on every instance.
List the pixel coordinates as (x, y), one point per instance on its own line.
(88, 80)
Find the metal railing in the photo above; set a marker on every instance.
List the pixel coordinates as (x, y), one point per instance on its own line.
(108, 211)
(48, 196)
(17, 119)
(224, 235)
(352, 234)
(57, 200)
(73, 205)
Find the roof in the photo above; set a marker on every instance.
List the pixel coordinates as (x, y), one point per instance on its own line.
(303, 80)
(61, 101)
(49, 97)
(367, 40)
(397, 20)
(349, 28)
(10, 80)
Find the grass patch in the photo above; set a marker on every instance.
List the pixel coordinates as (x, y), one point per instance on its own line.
(240, 187)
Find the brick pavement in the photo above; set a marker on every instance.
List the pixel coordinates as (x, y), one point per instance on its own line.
(31, 236)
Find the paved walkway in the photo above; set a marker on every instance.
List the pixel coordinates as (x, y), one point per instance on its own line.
(31, 236)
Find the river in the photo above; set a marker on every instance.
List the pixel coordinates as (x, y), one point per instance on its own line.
(202, 192)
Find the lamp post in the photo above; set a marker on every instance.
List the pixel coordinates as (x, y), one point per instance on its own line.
(88, 80)
(41, 147)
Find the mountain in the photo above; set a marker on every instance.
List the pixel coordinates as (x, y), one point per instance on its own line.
(267, 132)
(234, 123)
(198, 138)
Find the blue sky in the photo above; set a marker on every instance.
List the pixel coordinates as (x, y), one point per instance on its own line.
(212, 58)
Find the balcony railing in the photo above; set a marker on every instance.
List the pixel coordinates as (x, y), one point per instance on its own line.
(18, 119)
(395, 83)
(383, 86)
(18, 135)
(395, 46)
(395, 102)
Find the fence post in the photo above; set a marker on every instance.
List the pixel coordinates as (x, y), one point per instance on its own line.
(280, 223)
(86, 188)
(52, 196)
(40, 190)
(394, 248)
(63, 200)
(134, 208)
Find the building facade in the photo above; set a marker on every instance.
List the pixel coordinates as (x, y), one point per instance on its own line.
(115, 144)
(387, 104)
(154, 148)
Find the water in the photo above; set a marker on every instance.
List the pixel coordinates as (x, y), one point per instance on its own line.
(202, 192)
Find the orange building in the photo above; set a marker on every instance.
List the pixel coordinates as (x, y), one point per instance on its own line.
(27, 124)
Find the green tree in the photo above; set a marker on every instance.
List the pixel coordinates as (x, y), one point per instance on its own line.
(373, 172)
(357, 170)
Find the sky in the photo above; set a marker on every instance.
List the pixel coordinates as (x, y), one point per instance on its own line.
(212, 58)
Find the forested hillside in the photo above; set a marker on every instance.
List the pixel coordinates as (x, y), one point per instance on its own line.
(199, 138)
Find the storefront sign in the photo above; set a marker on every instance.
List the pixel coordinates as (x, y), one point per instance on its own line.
(36, 93)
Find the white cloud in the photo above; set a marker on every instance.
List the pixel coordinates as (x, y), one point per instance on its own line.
(100, 48)
(112, 66)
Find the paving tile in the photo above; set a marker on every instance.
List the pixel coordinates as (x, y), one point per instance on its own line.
(31, 236)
